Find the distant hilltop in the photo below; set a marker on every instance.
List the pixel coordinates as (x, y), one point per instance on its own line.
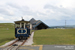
(67, 26)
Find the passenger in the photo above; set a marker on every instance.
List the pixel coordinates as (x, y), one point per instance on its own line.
(22, 26)
(28, 27)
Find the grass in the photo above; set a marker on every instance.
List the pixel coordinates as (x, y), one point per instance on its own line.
(54, 37)
(6, 32)
(41, 37)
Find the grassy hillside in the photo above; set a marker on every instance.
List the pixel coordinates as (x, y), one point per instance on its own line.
(6, 32)
(45, 36)
(54, 37)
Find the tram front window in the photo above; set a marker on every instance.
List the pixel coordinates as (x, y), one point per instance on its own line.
(22, 25)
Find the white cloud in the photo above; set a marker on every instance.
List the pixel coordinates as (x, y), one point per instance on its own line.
(68, 3)
(60, 13)
(1, 18)
(54, 9)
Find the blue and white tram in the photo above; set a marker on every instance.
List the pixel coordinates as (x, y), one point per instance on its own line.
(22, 29)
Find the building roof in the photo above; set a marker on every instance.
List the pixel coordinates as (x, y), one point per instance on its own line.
(32, 21)
(35, 23)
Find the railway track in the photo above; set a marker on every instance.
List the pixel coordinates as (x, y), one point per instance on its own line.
(15, 45)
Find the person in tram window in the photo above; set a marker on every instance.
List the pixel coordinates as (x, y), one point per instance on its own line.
(27, 27)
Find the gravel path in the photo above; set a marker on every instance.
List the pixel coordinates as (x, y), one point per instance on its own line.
(30, 40)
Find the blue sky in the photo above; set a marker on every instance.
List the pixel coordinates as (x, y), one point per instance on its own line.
(51, 12)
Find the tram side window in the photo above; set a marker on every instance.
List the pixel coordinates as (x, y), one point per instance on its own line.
(27, 26)
(17, 25)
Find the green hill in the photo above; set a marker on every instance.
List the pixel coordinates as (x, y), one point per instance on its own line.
(6, 32)
(54, 37)
(67, 26)
(41, 37)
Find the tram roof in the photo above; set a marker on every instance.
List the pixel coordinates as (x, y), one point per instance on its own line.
(22, 21)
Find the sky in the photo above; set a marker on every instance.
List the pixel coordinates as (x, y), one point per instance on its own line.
(51, 12)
